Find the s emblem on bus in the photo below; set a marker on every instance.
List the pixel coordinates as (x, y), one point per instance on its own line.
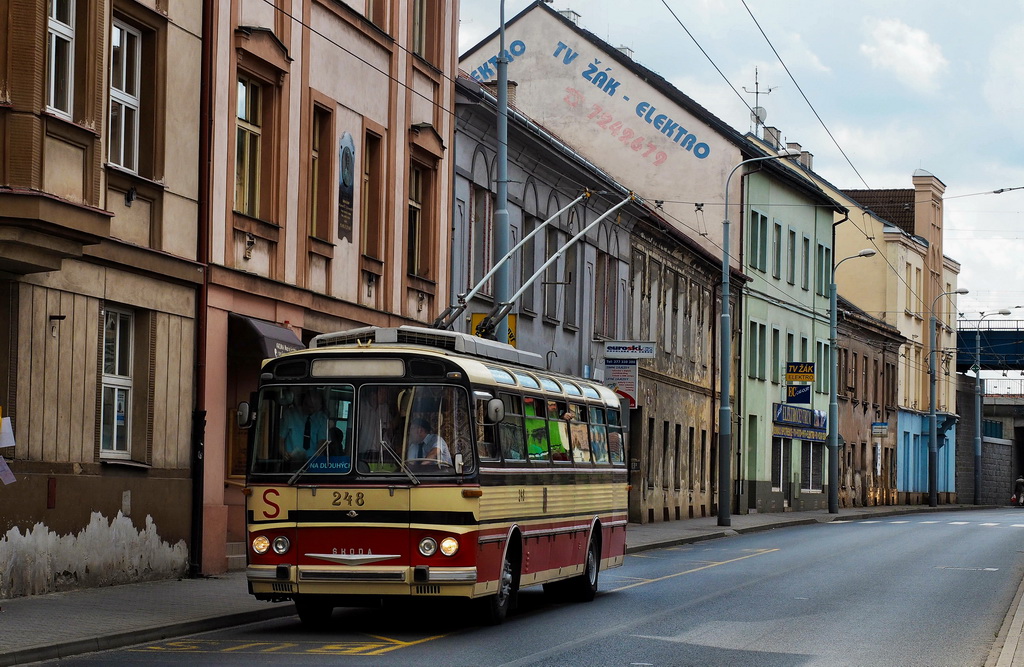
(271, 503)
(352, 514)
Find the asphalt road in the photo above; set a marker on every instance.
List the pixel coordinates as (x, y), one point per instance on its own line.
(929, 589)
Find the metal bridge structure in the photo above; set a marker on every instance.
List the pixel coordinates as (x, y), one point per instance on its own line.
(995, 344)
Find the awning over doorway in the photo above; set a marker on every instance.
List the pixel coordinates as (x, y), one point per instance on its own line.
(256, 337)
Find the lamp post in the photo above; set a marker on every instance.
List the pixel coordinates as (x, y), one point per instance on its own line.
(725, 407)
(933, 427)
(977, 402)
(833, 399)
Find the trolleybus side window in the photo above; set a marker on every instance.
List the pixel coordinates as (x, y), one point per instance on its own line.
(558, 430)
(598, 435)
(536, 428)
(513, 446)
(616, 445)
(580, 437)
(527, 381)
(486, 433)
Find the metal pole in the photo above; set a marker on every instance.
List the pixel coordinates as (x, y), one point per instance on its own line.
(977, 412)
(833, 401)
(933, 437)
(501, 226)
(725, 406)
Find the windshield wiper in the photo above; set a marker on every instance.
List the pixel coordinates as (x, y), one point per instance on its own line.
(305, 466)
(401, 464)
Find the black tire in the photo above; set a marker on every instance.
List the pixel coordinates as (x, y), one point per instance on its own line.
(583, 588)
(314, 613)
(496, 607)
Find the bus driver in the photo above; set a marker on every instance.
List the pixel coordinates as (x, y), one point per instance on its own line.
(424, 444)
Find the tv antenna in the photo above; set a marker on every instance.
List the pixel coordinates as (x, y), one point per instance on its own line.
(758, 114)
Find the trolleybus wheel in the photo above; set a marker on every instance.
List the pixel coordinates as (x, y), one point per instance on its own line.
(314, 613)
(496, 606)
(584, 587)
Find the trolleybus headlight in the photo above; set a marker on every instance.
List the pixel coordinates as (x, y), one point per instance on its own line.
(281, 545)
(449, 546)
(260, 544)
(428, 546)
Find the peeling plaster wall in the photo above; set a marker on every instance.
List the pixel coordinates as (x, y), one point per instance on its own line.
(104, 553)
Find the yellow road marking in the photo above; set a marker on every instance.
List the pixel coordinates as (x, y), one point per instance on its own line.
(373, 645)
(692, 570)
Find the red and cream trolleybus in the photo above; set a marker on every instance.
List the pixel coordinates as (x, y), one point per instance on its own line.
(421, 463)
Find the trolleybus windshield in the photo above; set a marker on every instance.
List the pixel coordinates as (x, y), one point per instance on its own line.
(373, 429)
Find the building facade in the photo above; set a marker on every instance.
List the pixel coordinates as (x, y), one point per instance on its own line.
(787, 256)
(332, 211)
(631, 277)
(908, 280)
(99, 284)
(650, 137)
(867, 377)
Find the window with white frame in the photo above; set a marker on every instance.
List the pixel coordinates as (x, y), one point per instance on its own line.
(116, 389)
(125, 65)
(60, 56)
(805, 264)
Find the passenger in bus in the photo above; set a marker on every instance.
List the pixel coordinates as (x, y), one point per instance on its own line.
(303, 427)
(425, 444)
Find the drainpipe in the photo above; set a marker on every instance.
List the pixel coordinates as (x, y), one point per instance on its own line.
(202, 298)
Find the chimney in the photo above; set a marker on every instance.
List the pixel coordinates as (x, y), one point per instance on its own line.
(510, 92)
(793, 146)
(628, 52)
(807, 160)
(571, 15)
(771, 136)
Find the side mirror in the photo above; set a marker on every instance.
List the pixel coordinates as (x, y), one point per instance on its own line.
(495, 410)
(244, 415)
(459, 464)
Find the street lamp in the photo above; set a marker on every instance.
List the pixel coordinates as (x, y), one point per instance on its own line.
(933, 427)
(725, 359)
(977, 402)
(833, 400)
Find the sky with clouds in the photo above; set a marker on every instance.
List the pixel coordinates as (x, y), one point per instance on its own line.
(898, 85)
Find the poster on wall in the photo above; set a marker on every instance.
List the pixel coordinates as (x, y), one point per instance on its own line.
(621, 376)
(346, 177)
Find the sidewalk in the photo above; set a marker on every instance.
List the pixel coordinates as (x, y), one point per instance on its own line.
(58, 625)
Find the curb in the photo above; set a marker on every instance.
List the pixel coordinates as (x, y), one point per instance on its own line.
(155, 633)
